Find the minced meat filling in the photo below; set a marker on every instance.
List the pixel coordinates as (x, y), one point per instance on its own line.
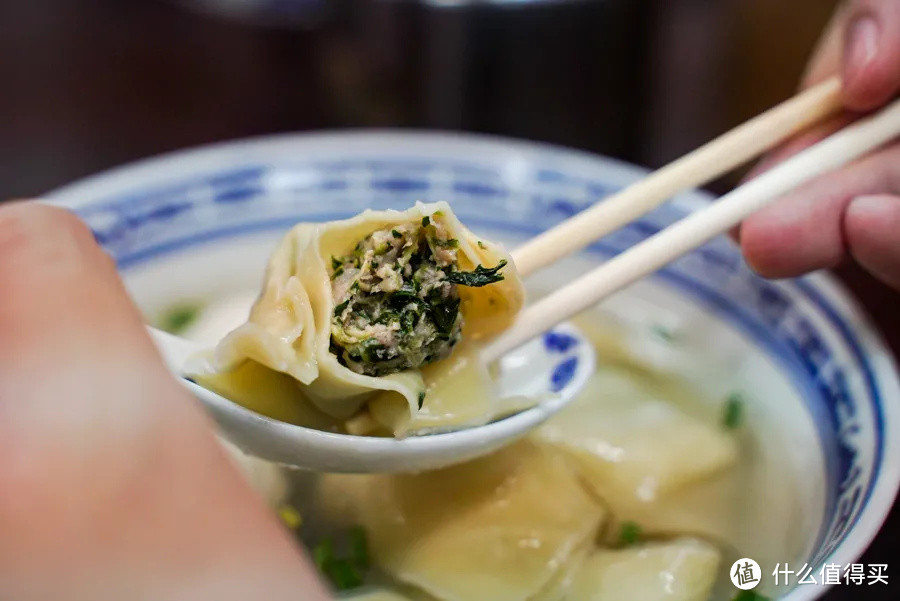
(396, 300)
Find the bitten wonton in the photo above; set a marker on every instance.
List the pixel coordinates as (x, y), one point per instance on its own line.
(356, 321)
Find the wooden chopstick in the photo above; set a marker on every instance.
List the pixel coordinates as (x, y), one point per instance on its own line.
(696, 229)
(725, 153)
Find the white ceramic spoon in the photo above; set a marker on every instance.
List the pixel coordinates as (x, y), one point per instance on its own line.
(554, 366)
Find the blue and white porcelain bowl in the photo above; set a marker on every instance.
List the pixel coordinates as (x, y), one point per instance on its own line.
(200, 223)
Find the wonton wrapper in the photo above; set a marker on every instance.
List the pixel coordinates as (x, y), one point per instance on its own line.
(558, 587)
(649, 461)
(289, 331)
(680, 570)
(497, 528)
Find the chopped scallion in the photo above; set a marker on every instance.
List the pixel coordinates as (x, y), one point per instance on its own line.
(177, 318)
(733, 412)
(344, 572)
(323, 553)
(629, 533)
(663, 332)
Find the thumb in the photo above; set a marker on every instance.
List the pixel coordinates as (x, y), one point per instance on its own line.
(67, 327)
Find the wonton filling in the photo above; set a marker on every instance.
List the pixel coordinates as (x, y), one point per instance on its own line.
(396, 301)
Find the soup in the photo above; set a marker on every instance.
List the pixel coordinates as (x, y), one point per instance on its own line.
(643, 488)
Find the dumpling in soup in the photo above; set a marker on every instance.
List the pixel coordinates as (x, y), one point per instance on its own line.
(368, 307)
(626, 437)
(560, 585)
(649, 461)
(680, 570)
(497, 528)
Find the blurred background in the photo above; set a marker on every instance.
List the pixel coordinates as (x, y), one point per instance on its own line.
(89, 84)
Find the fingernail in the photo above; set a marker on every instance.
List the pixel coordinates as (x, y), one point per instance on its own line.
(862, 43)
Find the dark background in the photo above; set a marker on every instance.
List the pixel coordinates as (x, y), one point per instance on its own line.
(89, 84)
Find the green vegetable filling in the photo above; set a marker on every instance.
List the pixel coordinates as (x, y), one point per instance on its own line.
(482, 276)
(396, 301)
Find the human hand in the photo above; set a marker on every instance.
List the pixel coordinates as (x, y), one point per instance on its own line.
(854, 211)
(112, 484)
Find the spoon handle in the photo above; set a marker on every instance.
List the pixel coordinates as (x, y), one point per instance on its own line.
(175, 351)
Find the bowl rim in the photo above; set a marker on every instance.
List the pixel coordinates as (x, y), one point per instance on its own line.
(213, 157)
